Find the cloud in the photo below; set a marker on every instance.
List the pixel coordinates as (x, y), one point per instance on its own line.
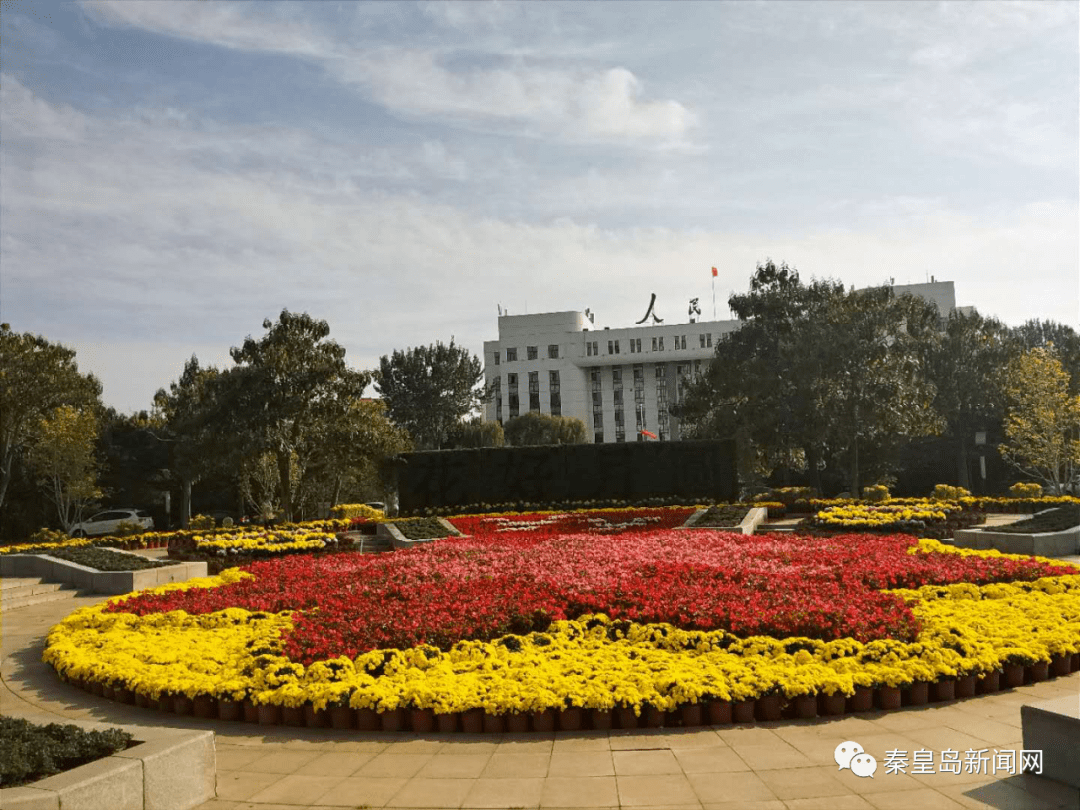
(573, 103)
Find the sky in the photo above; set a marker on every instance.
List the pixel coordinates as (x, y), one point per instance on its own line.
(174, 173)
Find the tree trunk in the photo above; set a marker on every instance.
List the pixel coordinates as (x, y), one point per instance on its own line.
(5, 473)
(962, 473)
(285, 479)
(854, 482)
(185, 501)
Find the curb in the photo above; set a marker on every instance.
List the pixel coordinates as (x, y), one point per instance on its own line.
(177, 772)
(90, 580)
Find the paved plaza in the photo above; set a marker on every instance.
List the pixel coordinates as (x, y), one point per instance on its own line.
(768, 766)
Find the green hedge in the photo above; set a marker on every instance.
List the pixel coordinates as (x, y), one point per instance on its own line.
(30, 752)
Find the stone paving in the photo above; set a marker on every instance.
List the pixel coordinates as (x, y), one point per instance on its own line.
(769, 766)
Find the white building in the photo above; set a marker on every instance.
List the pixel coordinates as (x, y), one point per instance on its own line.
(619, 382)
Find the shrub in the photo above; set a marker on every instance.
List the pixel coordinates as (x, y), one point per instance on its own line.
(48, 536)
(876, 493)
(944, 492)
(30, 752)
(356, 510)
(201, 522)
(787, 495)
(126, 528)
(1026, 490)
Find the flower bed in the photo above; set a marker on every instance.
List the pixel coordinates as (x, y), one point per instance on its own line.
(522, 619)
(922, 518)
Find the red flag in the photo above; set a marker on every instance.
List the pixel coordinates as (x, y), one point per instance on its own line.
(648, 433)
(714, 272)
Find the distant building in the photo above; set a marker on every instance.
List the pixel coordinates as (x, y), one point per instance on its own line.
(619, 382)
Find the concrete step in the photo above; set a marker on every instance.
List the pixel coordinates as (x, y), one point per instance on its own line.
(17, 592)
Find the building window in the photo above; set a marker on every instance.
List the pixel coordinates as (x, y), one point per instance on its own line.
(598, 407)
(661, 403)
(496, 357)
(497, 390)
(708, 340)
(511, 355)
(553, 351)
(534, 391)
(512, 394)
(555, 392)
(598, 437)
(616, 383)
(658, 344)
(530, 352)
(654, 345)
(611, 347)
(592, 348)
(680, 342)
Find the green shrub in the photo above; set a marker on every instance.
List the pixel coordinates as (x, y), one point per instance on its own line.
(127, 528)
(876, 493)
(944, 492)
(49, 536)
(30, 752)
(201, 523)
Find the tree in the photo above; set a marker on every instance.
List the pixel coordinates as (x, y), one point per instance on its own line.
(184, 413)
(540, 428)
(475, 433)
(36, 378)
(63, 457)
(285, 395)
(1043, 424)
(429, 389)
(1049, 334)
(964, 365)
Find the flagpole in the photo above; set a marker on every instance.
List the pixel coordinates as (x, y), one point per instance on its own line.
(714, 296)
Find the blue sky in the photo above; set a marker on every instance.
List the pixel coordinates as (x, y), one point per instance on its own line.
(174, 173)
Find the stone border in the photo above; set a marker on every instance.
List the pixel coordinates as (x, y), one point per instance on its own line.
(1045, 544)
(400, 541)
(755, 516)
(177, 772)
(91, 580)
(1052, 727)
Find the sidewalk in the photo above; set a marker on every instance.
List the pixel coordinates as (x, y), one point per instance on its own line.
(769, 766)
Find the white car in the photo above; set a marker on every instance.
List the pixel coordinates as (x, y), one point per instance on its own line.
(106, 522)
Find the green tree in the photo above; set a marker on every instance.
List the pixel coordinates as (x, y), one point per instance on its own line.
(1042, 428)
(285, 395)
(475, 432)
(36, 378)
(429, 389)
(63, 457)
(540, 428)
(964, 365)
(184, 413)
(1063, 339)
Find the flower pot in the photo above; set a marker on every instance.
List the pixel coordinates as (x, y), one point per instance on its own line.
(832, 705)
(124, 696)
(1014, 675)
(805, 706)
(1076, 662)
(571, 718)
(989, 682)
(251, 712)
(493, 723)
(691, 714)
(887, 697)
(422, 720)
(517, 723)
(472, 721)
(166, 702)
(602, 719)
(966, 686)
(142, 701)
(944, 689)
(719, 712)
(393, 720)
(292, 716)
(108, 693)
(230, 709)
(653, 717)
(626, 717)
(204, 706)
(447, 723)
(98, 688)
(368, 720)
(768, 708)
(182, 704)
(862, 700)
(742, 711)
(544, 721)
(315, 718)
(1061, 665)
(918, 694)
(269, 715)
(342, 717)
(1039, 671)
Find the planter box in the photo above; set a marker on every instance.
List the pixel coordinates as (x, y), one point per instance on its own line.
(178, 772)
(1053, 727)
(1046, 544)
(90, 580)
(400, 541)
(754, 518)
